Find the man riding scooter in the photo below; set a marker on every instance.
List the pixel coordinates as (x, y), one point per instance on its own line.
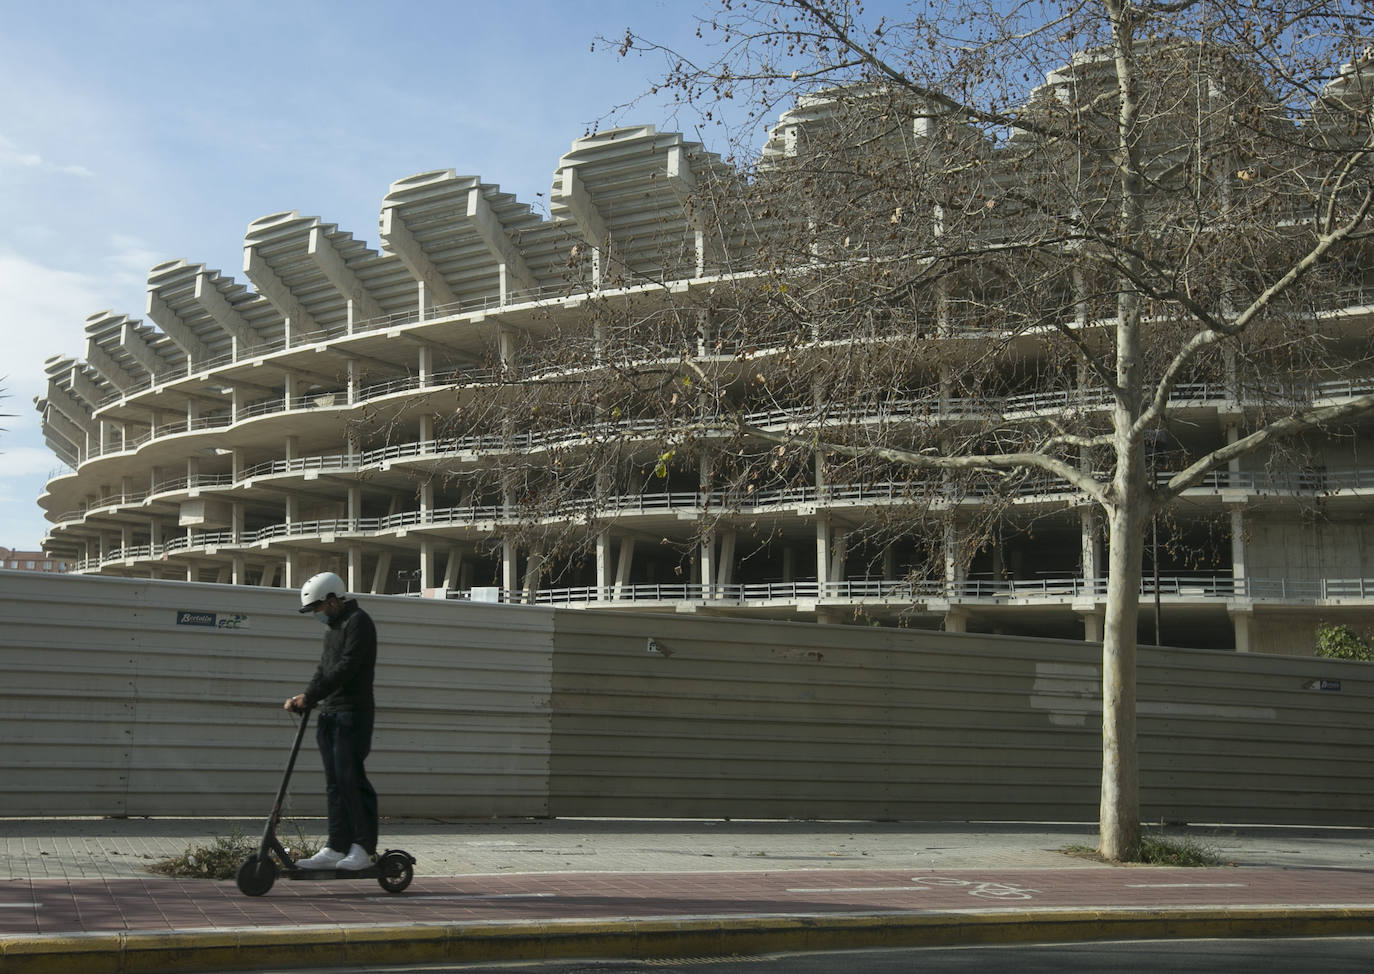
(342, 688)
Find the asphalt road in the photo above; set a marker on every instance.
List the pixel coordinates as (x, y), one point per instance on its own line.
(1304, 955)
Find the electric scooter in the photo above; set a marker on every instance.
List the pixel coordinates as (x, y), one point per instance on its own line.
(393, 870)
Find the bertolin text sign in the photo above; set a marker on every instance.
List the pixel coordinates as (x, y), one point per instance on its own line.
(212, 620)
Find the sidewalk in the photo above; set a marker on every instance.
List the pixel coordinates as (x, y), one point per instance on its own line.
(77, 895)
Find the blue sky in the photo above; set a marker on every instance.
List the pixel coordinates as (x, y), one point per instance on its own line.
(147, 130)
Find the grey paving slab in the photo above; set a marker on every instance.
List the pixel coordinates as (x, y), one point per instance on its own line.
(79, 895)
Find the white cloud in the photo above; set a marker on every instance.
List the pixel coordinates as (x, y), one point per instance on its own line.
(12, 155)
(42, 313)
(26, 462)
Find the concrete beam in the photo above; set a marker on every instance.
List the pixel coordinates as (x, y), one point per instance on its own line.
(490, 229)
(142, 353)
(69, 452)
(326, 257)
(401, 242)
(579, 203)
(83, 386)
(57, 423)
(110, 370)
(217, 306)
(680, 175)
(684, 183)
(270, 286)
(174, 328)
(66, 404)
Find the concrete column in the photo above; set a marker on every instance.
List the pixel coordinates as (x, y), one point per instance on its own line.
(707, 556)
(839, 550)
(510, 347)
(291, 577)
(238, 572)
(379, 572)
(427, 565)
(1094, 621)
(426, 428)
(453, 568)
(510, 579)
(955, 570)
(236, 523)
(425, 365)
(1238, 570)
(192, 571)
(236, 404)
(353, 375)
(355, 507)
(426, 502)
(956, 619)
(623, 564)
(290, 390)
(603, 565)
(534, 570)
(822, 552)
(1244, 623)
(725, 562)
(1091, 551)
(355, 568)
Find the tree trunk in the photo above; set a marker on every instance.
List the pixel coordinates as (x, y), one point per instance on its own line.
(1119, 816)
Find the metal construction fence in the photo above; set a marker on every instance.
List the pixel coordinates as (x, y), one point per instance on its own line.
(127, 697)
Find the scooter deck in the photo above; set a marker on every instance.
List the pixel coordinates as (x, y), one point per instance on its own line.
(373, 871)
(370, 872)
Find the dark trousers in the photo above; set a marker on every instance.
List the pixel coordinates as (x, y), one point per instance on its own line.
(345, 738)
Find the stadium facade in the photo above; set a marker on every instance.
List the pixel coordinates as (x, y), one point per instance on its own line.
(255, 433)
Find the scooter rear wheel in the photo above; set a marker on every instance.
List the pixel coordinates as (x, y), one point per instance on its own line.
(397, 869)
(256, 875)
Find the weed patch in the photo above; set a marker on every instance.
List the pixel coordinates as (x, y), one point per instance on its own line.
(223, 856)
(1159, 850)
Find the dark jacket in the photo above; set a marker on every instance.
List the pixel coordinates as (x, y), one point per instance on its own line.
(343, 680)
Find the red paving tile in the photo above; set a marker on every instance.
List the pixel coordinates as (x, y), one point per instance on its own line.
(64, 907)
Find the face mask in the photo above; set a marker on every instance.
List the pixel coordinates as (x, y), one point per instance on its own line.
(322, 618)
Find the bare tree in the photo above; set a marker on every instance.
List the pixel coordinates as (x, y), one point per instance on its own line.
(984, 249)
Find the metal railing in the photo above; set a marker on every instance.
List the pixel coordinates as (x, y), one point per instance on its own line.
(930, 408)
(1349, 296)
(1295, 483)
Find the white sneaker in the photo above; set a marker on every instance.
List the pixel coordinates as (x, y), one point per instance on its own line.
(326, 858)
(357, 858)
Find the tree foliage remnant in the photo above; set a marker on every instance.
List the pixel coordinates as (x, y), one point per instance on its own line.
(985, 251)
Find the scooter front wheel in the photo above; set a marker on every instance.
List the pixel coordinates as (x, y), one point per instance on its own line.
(397, 870)
(256, 875)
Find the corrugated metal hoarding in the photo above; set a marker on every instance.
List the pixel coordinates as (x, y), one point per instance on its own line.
(124, 697)
(686, 716)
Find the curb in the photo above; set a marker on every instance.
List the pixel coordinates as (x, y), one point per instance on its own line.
(333, 946)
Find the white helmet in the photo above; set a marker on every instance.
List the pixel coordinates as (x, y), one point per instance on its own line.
(320, 587)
